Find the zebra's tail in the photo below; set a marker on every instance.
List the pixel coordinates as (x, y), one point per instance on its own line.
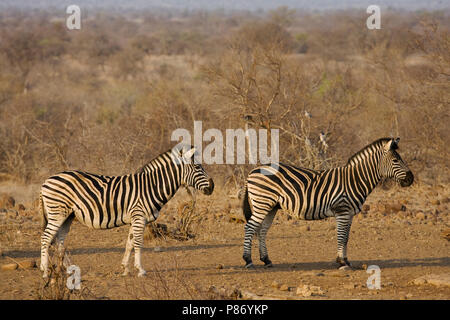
(246, 205)
(44, 220)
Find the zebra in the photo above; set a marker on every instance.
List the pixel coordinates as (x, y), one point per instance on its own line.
(312, 195)
(105, 202)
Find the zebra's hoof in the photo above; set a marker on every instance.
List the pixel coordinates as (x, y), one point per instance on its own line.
(267, 262)
(142, 273)
(343, 263)
(249, 266)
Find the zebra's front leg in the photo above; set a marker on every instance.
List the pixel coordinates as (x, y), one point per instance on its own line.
(126, 256)
(344, 223)
(138, 226)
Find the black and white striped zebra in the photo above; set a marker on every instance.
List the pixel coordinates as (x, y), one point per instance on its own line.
(312, 195)
(104, 202)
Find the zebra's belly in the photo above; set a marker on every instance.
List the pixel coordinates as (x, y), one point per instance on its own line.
(102, 220)
(310, 214)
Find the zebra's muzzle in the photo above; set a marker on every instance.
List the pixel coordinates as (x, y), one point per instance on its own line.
(409, 179)
(210, 189)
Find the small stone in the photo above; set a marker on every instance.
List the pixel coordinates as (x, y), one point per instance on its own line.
(364, 266)
(307, 291)
(275, 284)
(320, 274)
(284, 287)
(419, 281)
(420, 215)
(435, 202)
(157, 249)
(9, 266)
(219, 266)
(303, 292)
(28, 264)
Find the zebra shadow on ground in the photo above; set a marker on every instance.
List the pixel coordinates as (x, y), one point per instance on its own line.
(321, 265)
(330, 265)
(93, 250)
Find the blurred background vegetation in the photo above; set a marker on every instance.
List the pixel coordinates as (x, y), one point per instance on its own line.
(106, 98)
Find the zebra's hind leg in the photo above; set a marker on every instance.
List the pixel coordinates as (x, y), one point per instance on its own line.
(251, 227)
(344, 223)
(55, 221)
(262, 232)
(126, 256)
(61, 236)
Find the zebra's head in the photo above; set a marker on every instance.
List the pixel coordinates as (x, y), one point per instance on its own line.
(392, 166)
(193, 174)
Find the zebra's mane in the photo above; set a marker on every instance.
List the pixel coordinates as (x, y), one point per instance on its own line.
(369, 148)
(148, 166)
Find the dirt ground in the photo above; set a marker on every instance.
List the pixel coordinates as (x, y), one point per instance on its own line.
(401, 232)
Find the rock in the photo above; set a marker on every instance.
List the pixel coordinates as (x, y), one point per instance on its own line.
(420, 215)
(219, 266)
(275, 284)
(284, 287)
(439, 280)
(435, 202)
(9, 266)
(307, 291)
(157, 249)
(320, 274)
(27, 264)
(344, 268)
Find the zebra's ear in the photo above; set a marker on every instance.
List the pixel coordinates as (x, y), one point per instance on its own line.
(392, 144)
(189, 154)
